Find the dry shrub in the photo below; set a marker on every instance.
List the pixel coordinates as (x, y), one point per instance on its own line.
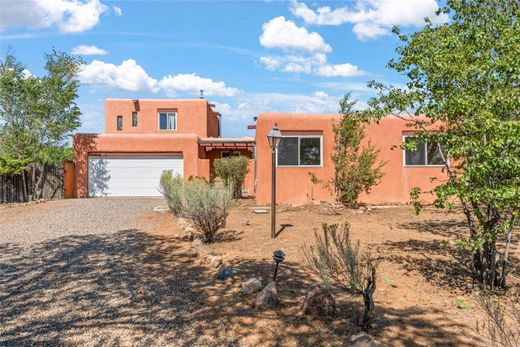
(338, 260)
(501, 325)
(206, 205)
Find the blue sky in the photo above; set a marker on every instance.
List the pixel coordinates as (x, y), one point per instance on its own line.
(248, 56)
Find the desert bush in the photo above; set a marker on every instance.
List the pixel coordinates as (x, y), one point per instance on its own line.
(206, 205)
(171, 188)
(232, 171)
(337, 260)
(500, 325)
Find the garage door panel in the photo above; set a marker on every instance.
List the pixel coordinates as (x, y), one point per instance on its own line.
(130, 176)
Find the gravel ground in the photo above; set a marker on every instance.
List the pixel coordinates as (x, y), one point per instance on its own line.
(28, 224)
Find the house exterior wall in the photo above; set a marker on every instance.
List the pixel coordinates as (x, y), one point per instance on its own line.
(135, 144)
(193, 116)
(294, 184)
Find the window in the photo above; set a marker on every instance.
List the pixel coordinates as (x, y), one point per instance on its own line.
(426, 154)
(299, 151)
(134, 119)
(119, 123)
(230, 154)
(167, 120)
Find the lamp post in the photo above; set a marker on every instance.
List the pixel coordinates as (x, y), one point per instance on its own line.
(274, 137)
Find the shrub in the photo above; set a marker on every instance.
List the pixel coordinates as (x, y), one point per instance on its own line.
(356, 166)
(232, 171)
(337, 260)
(171, 188)
(207, 206)
(501, 325)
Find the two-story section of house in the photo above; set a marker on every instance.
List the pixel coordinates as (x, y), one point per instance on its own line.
(143, 138)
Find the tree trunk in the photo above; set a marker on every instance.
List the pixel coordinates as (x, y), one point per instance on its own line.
(366, 318)
(505, 261)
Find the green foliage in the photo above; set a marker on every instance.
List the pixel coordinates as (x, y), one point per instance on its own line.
(205, 205)
(172, 189)
(461, 304)
(232, 171)
(338, 260)
(463, 76)
(37, 115)
(356, 166)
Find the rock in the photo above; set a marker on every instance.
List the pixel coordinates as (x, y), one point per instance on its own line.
(362, 340)
(319, 303)
(161, 209)
(214, 262)
(189, 229)
(268, 297)
(252, 285)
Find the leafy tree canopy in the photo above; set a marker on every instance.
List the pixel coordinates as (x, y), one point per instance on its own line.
(465, 75)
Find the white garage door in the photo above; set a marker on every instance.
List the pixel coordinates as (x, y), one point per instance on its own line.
(129, 176)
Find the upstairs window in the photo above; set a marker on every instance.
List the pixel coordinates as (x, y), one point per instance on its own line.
(119, 123)
(300, 151)
(134, 119)
(167, 120)
(426, 154)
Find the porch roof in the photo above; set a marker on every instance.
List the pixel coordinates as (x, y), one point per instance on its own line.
(226, 142)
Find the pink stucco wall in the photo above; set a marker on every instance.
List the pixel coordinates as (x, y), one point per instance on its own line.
(294, 184)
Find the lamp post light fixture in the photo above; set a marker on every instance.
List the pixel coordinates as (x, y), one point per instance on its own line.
(274, 137)
(278, 257)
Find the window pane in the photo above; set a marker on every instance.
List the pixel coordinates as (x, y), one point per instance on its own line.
(171, 121)
(163, 121)
(134, 119)
(416, 157)
(119, 122)
(288, 151)
(310, 151)
(434, 154)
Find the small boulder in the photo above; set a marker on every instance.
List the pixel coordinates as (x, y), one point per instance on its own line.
(252, 285)
(362, 340)
(319, 303)
(161, 209)
(268, 297)
(214, 262)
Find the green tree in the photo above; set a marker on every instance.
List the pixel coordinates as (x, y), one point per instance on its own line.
(356, 167)
(232, 171)
(464, 76)
(37, 116)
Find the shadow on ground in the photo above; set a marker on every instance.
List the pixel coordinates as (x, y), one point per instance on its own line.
(134, 288)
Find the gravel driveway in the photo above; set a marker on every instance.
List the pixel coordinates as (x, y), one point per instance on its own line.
(81, 273)
(27, 224)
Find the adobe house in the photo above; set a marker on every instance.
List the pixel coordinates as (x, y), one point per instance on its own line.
(144, 137)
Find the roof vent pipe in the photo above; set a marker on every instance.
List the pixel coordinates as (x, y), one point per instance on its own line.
(201, 94)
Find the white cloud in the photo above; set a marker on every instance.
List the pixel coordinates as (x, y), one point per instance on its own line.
(117, 10)
(70, 16)
(192, 83)
(88, 50)
(371, 18)
(286, 35)
(26, 73)
(127, 76)
(312, 64)
(343, 70)
(132, 77)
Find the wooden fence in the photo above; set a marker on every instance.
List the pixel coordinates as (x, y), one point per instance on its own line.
(18, 189)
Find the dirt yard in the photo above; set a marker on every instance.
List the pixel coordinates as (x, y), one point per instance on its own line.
(112, 272)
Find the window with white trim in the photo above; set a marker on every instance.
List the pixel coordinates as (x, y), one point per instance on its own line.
(300, 151)
(167, 120)
(426, 154)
